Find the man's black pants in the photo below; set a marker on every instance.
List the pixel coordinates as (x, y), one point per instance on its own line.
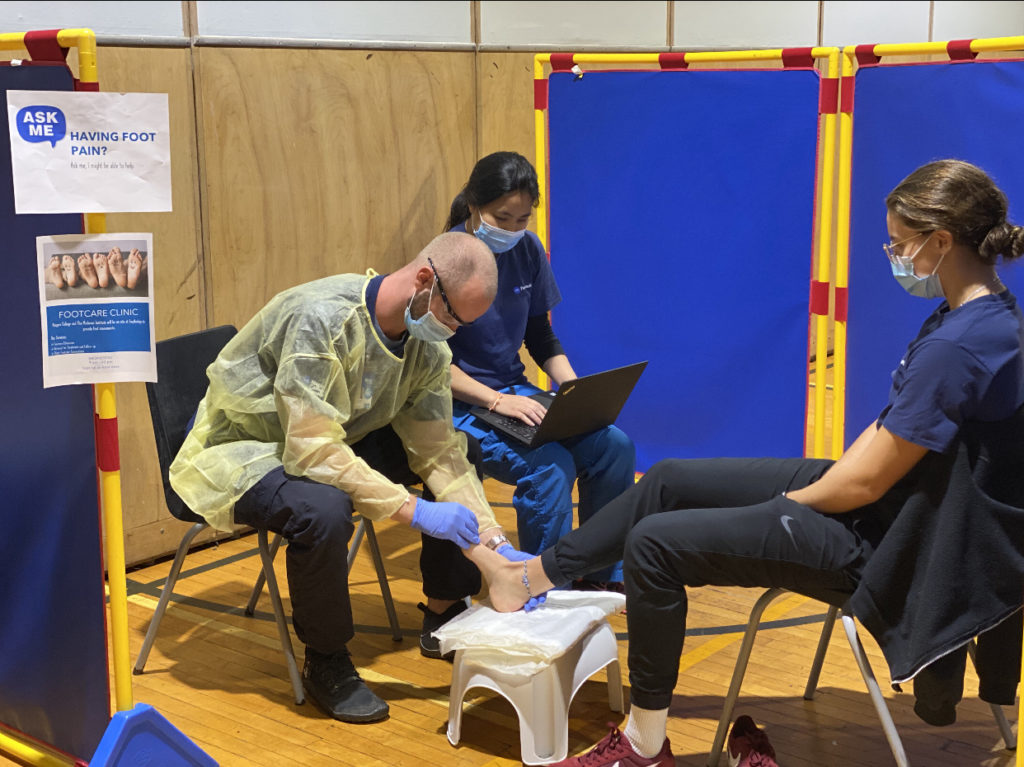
(316, 519)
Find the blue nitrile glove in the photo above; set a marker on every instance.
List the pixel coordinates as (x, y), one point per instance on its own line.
(447, 520)
(534, 602)
(512, 554)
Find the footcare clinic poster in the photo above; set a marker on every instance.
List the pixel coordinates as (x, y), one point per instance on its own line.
(89, 152)
(96, 299)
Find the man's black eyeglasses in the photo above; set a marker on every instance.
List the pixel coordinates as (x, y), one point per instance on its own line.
(444, 296)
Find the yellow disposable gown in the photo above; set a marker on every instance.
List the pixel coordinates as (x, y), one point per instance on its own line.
(304, 379)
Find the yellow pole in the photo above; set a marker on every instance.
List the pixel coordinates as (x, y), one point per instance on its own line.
(28, 753)
(541, 149)
(825, 214)
(110, 479)
(842, 262)
(110, 485)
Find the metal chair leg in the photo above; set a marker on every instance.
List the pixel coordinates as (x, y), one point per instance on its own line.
(737, 675)
(895, 744)
(282, 625)
(165, 596)
(382, 578)
(257, 588)
(353, 546)
(819, 654)
(1009, 738)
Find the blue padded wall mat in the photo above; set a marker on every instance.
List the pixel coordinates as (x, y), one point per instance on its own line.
(681, 209)
(53, 652)
(903, 117)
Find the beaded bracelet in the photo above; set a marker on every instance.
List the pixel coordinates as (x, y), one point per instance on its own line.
(526, 582)
(496, 401)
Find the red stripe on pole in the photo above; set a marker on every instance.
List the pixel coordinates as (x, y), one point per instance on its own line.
(42, 45)
(108, 457)
(80, 86)
(866, 55)
(540, 94)
(960, 50)
(828, 96)
(846, 95)
(561, 62)
(819, 297)
(842, 303)
(797, 57)
(672, 60)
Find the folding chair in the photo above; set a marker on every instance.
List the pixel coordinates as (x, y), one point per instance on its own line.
(877, 699)
(173, 400)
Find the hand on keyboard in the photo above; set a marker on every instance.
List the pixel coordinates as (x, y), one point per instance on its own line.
(524, 409)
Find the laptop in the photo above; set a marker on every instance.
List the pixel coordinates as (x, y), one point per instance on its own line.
(578, 407)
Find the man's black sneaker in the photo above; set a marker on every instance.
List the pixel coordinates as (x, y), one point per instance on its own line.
(430, 646)
(334, 684)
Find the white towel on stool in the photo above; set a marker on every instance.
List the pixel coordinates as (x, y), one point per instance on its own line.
(524, 643)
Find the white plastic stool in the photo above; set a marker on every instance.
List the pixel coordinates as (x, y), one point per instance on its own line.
(542, 700)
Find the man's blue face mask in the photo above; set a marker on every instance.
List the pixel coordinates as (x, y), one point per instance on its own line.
(427, 327)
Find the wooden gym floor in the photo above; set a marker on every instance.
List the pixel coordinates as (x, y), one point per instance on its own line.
(219, 676)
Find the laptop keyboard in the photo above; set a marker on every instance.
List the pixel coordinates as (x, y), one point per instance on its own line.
(522, 430)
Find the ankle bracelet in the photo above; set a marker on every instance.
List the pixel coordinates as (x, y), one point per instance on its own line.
(526, 582)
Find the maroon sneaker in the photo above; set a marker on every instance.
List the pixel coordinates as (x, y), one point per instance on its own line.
(616, 751)
(749, 746)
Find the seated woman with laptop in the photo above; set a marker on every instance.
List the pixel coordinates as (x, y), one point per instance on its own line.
(495, 205)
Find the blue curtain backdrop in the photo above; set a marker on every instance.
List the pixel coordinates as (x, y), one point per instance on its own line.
(53, 657)
(905, 116)
(682, 208)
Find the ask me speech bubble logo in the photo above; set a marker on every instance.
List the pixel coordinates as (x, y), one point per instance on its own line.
(41, 123)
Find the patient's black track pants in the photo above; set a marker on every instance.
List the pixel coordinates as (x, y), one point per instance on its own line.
(721, 522)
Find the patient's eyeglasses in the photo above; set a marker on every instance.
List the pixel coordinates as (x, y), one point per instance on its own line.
(444, 297)
(890, 247)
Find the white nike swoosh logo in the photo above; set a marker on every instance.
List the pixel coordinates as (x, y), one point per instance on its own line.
(734, 761)
(785, 519)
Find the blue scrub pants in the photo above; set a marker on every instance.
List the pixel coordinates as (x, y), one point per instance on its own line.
(603, 462)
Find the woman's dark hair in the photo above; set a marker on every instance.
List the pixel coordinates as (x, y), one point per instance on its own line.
(494, 176)
(962, 199)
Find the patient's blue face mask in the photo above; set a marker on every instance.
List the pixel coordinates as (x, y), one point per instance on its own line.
(928, 286)
(428, 327)
(498, 240)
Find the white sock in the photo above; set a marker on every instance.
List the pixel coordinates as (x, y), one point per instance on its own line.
(646, 730)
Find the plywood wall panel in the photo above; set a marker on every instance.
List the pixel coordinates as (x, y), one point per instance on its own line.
(326, 161)
(176, 235)
(178, 289)
(506, 103)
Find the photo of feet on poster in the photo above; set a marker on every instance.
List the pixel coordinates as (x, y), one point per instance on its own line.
(96, 308)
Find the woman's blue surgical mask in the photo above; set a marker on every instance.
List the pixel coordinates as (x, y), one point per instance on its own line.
(428, 327)
(498, 240)
(923, 287)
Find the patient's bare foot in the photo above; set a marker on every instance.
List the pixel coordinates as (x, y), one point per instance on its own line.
(67, 268)
(53, 272)
(505, 586)
(136, 267)
(99, 263)
(88, 272)
(117, 267)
